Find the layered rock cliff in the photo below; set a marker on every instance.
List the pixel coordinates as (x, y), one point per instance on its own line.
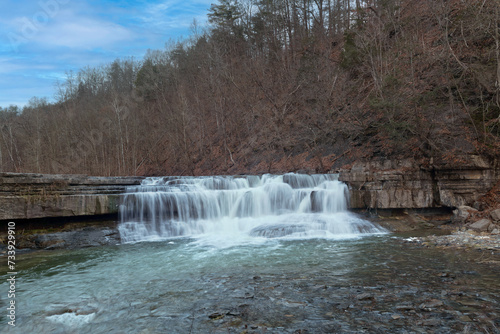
(27, 196)
(412, 184)
(382, 184)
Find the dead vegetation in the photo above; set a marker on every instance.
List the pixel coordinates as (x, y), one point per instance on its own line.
(276, 86)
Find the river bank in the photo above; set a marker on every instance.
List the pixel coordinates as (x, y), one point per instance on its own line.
(465, 240)
(63, 233)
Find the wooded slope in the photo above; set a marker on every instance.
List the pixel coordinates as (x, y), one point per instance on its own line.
(278, 85)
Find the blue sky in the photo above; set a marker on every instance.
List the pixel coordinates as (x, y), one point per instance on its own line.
(41, 40)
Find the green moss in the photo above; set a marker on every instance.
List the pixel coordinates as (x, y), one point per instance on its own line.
(113, 203)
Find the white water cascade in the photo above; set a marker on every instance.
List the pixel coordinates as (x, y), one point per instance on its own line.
(231, 208)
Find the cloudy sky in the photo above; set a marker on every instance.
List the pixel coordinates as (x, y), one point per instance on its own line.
(41, 40)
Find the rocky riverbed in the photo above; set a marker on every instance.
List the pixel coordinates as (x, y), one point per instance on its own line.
(306, 304)
(412, 298)
(381, 284)
(466, 240)
(464, 228)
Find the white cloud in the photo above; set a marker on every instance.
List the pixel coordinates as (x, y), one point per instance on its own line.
(175, 14)
(69, 29)
(15, 65)
(81, 32)
(84, 33)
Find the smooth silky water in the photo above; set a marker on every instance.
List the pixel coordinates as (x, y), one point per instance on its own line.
(272, 254)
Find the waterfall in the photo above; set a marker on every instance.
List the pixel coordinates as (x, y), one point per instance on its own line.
(269, 206)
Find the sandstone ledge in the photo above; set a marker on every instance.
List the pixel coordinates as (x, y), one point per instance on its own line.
(28, 196)
(410, 184)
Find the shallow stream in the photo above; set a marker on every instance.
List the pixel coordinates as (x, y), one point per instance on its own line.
(371, 284)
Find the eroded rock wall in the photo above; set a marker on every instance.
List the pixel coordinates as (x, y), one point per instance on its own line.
(27, 196)
(415, 184)
(382, 184)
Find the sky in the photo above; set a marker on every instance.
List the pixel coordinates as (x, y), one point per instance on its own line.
(42, 40)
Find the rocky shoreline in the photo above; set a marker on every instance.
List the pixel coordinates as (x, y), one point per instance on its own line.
(63, 234)
(469, 229)
(465, 240)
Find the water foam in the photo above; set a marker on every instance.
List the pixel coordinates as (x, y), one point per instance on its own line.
(71, 319)
(234, 209)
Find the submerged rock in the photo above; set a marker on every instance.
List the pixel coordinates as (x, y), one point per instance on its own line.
(430, 304)
(365, 296)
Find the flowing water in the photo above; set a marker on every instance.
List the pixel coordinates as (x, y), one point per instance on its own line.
(270, 254)
(234, 210)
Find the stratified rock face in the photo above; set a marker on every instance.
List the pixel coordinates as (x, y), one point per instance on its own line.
(408, 184)
(26, 196)
(405, 184)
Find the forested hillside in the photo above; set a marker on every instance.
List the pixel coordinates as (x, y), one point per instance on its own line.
(278, 85)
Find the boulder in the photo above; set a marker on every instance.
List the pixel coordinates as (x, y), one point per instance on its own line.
(462, 213)
(481, 225)
(495, 215)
